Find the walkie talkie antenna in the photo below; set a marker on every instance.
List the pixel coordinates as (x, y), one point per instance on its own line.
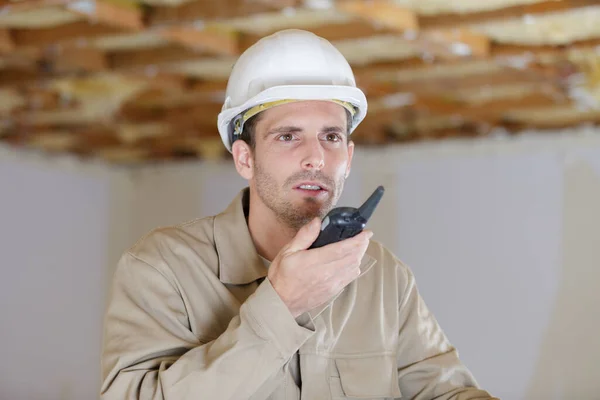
(369, 205)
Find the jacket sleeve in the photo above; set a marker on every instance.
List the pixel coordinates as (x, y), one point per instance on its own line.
(428, 365)
(149, 351)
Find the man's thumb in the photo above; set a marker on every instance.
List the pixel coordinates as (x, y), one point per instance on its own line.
(306, 236)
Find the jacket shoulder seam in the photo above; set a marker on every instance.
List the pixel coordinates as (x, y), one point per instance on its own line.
(154, 267)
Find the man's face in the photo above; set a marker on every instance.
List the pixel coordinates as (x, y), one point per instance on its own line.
(301, 160)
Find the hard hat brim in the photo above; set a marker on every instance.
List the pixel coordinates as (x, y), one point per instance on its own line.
(348, 94)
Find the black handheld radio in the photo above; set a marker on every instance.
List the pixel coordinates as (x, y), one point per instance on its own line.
(345, 222)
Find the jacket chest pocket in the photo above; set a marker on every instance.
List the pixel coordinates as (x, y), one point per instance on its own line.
(373, 377)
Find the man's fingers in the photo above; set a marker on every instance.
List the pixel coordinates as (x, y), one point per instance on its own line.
(305, 236)
(338, 250)
(341, 267)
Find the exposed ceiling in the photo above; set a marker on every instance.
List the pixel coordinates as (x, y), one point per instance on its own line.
(137, 81)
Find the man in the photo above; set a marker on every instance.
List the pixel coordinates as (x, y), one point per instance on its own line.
(235, 306)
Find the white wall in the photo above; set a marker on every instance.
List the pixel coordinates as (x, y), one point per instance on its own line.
(54, 242)
(502, 236)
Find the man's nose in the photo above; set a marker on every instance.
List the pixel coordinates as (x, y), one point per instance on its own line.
(315, 156)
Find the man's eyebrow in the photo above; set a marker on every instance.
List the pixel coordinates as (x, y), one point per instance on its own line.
(283, 129)
(333, 129)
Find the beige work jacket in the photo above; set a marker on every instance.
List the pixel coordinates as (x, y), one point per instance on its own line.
(192, 316)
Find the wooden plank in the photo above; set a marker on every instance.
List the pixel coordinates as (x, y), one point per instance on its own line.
(78, 59)
(204, 10)
(69, 33)
(94, 138)
(21, 59)
(40, 99)
(208, 86)
(368, 74)
(108, 13)
(28, 5)
(491, 112)
(214, 41)
(552, 125)
(445, 43)
(460, 110)
(499, 50)
(166, 98)
(430, 83)
(151, 57)
(442, 21)
(535, 99)
(374, 128)
(382, 12)
(181, 116)
(454, 43)
(278, 3)
(18, 77)
(7, 44)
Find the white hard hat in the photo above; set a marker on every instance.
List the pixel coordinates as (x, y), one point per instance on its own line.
(290, 65)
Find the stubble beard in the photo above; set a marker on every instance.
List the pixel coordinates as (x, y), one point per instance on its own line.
(291, 215)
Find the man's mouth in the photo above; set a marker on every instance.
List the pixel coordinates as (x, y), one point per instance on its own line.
(311, 188)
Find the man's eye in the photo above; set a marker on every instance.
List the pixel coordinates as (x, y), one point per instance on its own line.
(286, 137)
(332, 137)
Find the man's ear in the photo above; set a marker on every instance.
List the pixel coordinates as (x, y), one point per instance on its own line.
(243, 159)
(350, 156)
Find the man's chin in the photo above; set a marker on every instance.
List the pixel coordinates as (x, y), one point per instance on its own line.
(310, 213)
(311, 205)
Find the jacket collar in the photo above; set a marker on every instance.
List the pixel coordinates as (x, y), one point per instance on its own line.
(239, 263)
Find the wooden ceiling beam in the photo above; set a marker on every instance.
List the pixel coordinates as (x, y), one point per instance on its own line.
(424, 84)
(500, 50)
(486, 113)
(28, 5)
(40, 99)
(20, 59)
(208, 86)
(446, 21)
(193, 93)
(127, 17)
(75, 32)
(460, 110)
(181, 115)
(531, 100)
(79, 59)
(373, 131)
(555, 116)
(213, 41)
(540, 126)
(7, 43)
(103, 17)
(13, 77)
(154, 57)
(204, 10)
(381, 12)
(441, 42)
(278, 3)
(454, 43)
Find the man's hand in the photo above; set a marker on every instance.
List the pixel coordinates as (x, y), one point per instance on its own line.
(305, 279)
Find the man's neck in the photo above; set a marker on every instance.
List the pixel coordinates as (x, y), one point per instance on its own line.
(268, 233)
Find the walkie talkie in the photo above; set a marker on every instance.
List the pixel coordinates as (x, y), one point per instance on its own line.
(345, 222)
